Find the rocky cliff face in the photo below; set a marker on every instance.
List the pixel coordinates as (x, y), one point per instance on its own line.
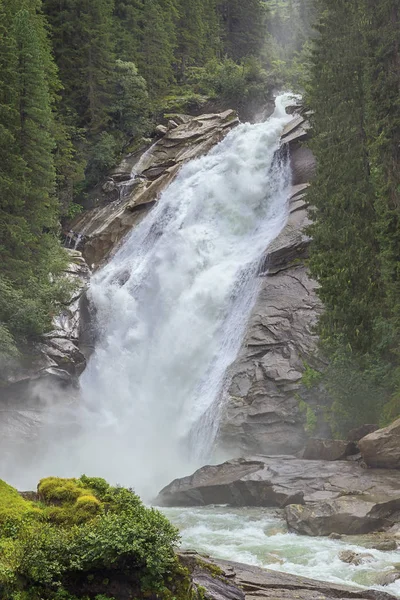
(137, 182)
(261, 412)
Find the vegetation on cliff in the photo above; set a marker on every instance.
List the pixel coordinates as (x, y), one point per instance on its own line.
(354, 93)
(80, 539)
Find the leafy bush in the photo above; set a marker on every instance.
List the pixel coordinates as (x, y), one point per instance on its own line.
(83, 532)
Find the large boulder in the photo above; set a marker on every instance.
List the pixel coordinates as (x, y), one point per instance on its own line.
(317, 449)
(382, 447)
(348, 515)
(136, 184)
(280, 481)
(319, 497)
(225, 580)
(356, 434)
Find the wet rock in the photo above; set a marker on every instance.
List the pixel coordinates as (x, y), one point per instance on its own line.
(385, 546)
(353, 558)
(344, 515)
(261, 413)
(387, 578)
(328, 449)
(225, 580)
(283, 480)
(303, 165)
(382, 448)
(298, 130)
(356, 434)
(109, 186)
(57, 357)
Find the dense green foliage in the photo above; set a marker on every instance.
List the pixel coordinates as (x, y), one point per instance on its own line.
(28, 204)
(354, 91)
(83, 538)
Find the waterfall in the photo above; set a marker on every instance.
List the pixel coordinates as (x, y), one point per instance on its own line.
(171, 309)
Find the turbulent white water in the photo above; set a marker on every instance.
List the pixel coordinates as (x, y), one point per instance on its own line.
(171, 307)
(259, 537)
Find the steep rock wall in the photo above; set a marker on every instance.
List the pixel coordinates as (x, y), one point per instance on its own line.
(261, 410)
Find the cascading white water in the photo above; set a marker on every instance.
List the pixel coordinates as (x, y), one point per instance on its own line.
(171, 308)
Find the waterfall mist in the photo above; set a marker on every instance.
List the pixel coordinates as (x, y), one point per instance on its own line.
(171, 309)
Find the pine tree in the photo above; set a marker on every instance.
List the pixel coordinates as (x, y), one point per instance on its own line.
(344, 247)
(84, 51)
(157, 44)
(244, 27)
(381, 29)
(28, 206)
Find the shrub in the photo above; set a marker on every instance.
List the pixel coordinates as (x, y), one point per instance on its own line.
(14, 510)
(86, 531)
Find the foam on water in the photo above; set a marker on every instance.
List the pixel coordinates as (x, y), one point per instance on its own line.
(259, 537)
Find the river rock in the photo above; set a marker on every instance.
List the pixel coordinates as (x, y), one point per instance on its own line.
(346, 516)
(354, 558)
(382, 447)
(104, 226)
(388, 578)
(328, 449)
(226, 580)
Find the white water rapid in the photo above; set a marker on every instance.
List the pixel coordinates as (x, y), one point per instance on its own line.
(171, 309)
(259, 536)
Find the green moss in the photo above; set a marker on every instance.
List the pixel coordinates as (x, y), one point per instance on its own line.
(215, 571)
(14, 510)
(56, 490)
(310, 417)
(84, 528)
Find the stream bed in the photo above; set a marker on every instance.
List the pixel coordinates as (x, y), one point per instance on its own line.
(259, 536)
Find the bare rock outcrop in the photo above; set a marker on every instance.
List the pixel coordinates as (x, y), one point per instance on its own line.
(319, 497)
(382, 447)
(225, 580)
(261, 409)
(137, 182)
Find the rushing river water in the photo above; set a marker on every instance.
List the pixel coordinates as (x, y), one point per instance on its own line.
(259, 537)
